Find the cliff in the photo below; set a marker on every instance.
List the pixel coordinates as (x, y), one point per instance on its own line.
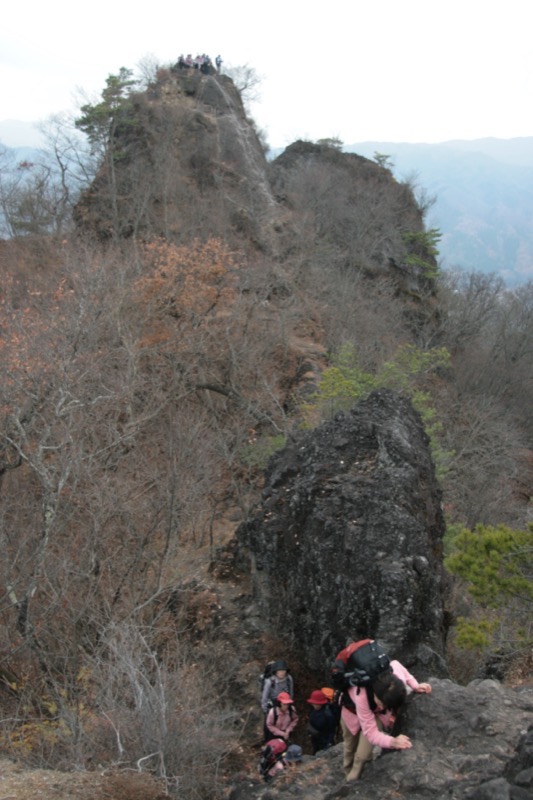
(186, 161)
(347, 542)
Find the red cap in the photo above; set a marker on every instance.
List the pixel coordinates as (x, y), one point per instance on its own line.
(284, 697)
(318, 698)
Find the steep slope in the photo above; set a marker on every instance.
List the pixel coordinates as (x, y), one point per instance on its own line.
(184, 162)
(354, 213)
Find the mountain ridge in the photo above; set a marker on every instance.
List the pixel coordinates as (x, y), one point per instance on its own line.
(482, 189)
(156, 359)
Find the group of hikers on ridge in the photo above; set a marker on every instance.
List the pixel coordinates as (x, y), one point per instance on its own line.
(368, 689)
(201, 62)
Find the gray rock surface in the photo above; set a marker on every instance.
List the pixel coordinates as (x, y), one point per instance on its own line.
(348, 540)
(354, 210)
(198, 163)
(469, 743)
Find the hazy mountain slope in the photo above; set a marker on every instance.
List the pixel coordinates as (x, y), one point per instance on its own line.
(18, 133)
(484, 199)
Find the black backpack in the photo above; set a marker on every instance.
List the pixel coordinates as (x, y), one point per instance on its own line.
(359, 664)
(267, 673)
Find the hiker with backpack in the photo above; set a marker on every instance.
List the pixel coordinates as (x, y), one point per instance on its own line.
(374, 688)
(282, 718)
(276, 756)
(322, 722)
(272, 758)
(276, 678)
(334, 706)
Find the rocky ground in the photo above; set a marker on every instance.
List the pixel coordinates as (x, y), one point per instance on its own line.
(470, 743)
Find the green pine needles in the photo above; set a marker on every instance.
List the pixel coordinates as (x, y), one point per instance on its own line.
(423, 251)
(345, 382)
(496, 566)
(100, 121)
(495, 563)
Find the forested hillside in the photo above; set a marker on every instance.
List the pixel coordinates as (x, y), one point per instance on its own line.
(175, 309)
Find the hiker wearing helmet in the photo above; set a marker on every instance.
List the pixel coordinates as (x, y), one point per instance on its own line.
(279, 680)
(322, 722)
(373, 714)
(282, 718)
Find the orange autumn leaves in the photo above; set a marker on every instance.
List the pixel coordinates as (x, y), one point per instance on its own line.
(188, 283)
(183, 288)
(29, 323)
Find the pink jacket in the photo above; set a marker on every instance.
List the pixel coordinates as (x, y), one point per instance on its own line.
(365, 719)
(284, 725)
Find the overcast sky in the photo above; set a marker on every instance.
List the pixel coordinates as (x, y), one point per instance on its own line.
(395, 70)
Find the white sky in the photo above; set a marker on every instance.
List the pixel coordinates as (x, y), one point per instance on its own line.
(389, 70)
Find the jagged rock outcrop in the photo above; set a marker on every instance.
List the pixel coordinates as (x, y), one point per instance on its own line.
(356, 212)
(347, 542)
(185, 161)
(469, 743)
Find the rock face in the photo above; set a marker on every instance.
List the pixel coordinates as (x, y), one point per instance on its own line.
(469, 743)
(186, 161)
(348, 540)
(356, 212)
(191, 164)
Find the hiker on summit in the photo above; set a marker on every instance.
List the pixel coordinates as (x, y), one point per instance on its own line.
(374, 713)
(282, 718)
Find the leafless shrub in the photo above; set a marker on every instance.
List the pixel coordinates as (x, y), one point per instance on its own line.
(175, 723)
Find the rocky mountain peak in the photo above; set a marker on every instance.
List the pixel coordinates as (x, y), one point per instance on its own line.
(186, 160)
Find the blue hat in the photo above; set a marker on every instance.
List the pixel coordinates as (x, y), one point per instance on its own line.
(294, 753)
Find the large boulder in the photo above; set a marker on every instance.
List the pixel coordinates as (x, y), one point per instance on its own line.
(347, 542)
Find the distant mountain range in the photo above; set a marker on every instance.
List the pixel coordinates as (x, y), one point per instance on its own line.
(484, 199)
(483, 190)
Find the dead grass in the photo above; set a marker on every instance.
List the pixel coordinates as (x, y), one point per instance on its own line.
(17, 783)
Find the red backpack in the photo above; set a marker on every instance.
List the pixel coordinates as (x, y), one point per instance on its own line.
(273, 751)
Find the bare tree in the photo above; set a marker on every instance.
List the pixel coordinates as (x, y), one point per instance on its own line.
(37, 196)
(247, 81)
